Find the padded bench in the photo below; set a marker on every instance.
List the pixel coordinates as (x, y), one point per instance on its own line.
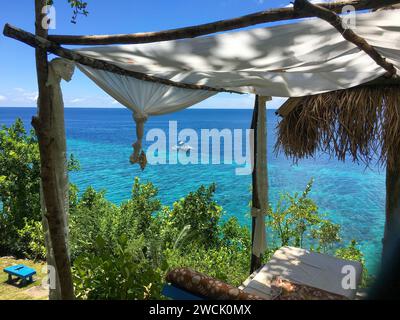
(303, 267)
(21, 272)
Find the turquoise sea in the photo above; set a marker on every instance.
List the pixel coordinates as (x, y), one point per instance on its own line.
(350, 194)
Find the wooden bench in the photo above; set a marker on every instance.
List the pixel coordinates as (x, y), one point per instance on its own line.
(21, 272)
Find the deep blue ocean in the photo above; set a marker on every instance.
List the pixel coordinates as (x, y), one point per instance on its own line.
(350, 194)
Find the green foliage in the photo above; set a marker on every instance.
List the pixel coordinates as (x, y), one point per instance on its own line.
(32, 237)
(93, 216)
(198, 214)
(155, 239)
(296, 221)
(78, 8)
(19, 184)
(226, 263)
(327, 234)
(20, 209)
(293, 216)
(123, 273)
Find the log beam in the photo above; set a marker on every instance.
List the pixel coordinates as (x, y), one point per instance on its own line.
(332, 18)
(49, 46)
(271, 15)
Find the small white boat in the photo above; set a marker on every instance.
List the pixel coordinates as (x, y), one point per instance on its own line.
(182, 146)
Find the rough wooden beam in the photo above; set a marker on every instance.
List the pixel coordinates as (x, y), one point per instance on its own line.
(347, 33)
(271, 15)
(49, 46)
(44, 128)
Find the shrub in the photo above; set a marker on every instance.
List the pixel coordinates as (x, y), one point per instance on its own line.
(19, 185)
(123, 273)
(198, 214)
(124, 252)
(32, 239)
(20, 208)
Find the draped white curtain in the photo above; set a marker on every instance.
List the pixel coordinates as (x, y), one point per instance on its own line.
(145, 99)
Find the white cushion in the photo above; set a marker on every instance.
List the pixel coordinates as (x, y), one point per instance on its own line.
(301, 266)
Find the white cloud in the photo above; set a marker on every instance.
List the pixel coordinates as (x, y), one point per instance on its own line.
(77, 100)
(2, 98)
(100, 100)
(24, 97)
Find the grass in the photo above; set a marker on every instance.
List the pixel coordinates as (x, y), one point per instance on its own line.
(32, 291)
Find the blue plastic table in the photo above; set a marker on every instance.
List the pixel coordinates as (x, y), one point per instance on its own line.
(20, 271)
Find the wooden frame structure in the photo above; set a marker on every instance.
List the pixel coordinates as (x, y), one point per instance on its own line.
(45, 43)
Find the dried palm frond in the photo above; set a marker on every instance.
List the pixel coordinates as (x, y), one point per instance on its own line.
(362, 123)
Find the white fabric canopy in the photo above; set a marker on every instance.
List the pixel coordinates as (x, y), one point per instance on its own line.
(297, 59)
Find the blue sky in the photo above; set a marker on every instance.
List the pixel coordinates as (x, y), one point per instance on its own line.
(17, 64)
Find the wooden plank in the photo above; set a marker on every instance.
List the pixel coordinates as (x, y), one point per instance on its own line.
(271, 15)
(39, 42)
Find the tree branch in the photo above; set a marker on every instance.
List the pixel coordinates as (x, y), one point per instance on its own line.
(347, 33)
(271, 15)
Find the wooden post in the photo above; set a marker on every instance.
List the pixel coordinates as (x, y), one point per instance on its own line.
(47, 135)
(255, 261)
(259, 174)
(392, 223)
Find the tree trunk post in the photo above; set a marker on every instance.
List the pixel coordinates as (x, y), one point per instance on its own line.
(43, 123)
(259, 175)
(392, 223)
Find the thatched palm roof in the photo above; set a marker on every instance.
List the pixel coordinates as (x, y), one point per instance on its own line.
(362, 123)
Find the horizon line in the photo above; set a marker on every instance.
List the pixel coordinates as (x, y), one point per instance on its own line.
(190, 108)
